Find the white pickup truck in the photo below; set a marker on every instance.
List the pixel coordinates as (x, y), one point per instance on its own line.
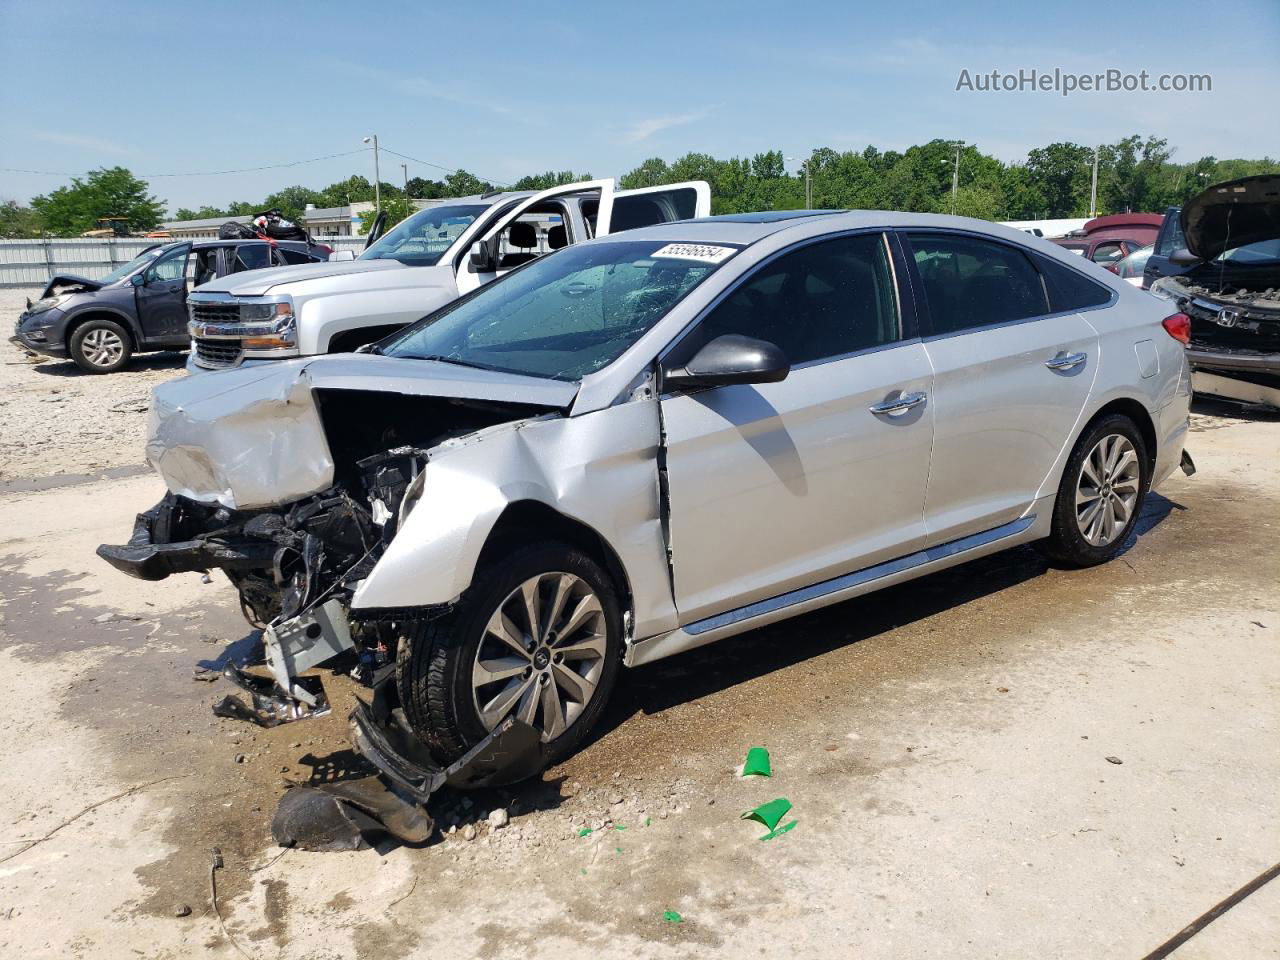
(425, 262)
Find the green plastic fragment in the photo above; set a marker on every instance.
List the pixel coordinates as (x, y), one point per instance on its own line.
(769, 813)
(757, 764)
(584, 871)
(672, 917)
(584, 832)
(648, 820)
(780, 831)
(619, 827)
(617, 849)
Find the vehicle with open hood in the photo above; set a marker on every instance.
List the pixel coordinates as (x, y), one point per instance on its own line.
(142, 305)
(648, 442)
(1229, 285)
(424, 262)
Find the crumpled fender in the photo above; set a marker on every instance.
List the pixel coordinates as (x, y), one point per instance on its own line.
(599, 469)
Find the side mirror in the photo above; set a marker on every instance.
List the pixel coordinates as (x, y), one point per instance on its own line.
(727, 360)
(482, 259)
(138, 280)
(1184, 258)
(340, 256)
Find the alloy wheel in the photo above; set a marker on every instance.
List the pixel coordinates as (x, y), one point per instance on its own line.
(1107, 489)
(542, 654)
(102, 347)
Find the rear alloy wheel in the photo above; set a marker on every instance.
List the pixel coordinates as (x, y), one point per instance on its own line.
(537, 636)
(100, 346)
(1101, 493)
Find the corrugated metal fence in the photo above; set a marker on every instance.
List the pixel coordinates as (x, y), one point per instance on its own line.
(30, 263)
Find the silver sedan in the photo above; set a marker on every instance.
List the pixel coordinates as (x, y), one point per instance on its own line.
(641, 444)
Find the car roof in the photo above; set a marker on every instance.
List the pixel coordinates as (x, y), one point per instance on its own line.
(744, 229)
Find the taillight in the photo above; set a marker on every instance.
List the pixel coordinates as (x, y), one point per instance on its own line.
(1179, 327)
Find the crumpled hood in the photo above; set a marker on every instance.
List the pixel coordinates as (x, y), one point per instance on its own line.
(63, 280)
(1232, 214)
(252, 437)
(256, 283)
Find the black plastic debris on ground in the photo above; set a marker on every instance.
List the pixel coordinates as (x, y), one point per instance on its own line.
(352, 815)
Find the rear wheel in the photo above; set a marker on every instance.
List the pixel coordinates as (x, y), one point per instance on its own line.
(1101, 493)
(538, 636)
(100, 346)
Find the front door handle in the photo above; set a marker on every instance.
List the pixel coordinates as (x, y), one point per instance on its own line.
(898, 404)
(1066, 361)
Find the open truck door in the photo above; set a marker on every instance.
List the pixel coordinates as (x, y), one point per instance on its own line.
(534, 226)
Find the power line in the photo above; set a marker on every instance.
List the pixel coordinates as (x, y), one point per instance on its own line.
(428, 163)
(271, 166)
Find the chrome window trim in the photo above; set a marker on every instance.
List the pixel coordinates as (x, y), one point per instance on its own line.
(751, 271)
(1031, 255)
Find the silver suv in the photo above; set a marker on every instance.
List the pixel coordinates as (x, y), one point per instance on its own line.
(646, 443)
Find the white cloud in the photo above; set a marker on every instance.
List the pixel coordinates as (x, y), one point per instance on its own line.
(644, 129)
(82, 142)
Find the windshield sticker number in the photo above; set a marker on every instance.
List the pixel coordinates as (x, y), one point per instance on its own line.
(702, 252)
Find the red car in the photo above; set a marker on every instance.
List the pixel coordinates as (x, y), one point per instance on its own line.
(1107, 240)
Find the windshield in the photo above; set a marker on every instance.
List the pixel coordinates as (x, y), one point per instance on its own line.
(420, 240)
(1264, 251)
(565, 315)
(141, 260)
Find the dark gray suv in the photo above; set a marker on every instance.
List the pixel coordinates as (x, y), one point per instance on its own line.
(142, 305)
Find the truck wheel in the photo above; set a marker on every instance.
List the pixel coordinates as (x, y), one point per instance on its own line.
(100, 346)
(538, 635)
(1101, 494)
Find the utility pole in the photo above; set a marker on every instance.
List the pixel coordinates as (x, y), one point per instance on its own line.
(377, 176)
(1093, 191)
(405, 168)
(955, 178)
(808, 186)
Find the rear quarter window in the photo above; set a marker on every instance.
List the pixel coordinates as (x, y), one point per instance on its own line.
(1069, 289)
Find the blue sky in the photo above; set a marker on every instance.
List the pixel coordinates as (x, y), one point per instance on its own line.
(504, 90)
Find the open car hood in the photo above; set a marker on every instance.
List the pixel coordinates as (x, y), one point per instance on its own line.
(1232, 214)
(253, 437)
(61, 282)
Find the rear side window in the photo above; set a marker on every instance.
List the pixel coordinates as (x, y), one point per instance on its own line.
(824, 300)
(249, 256)
(970, 282)
(1069, 289)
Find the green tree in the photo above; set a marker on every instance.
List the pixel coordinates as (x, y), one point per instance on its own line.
(460, 183)
(354, 189)
(545, 181)
(1060, 174)
(17, 222)
(109, 192)
(292, 201)
(652, 173)
(421, 189)
(396, 209)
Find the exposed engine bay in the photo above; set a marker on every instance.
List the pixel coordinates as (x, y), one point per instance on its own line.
(296, 564)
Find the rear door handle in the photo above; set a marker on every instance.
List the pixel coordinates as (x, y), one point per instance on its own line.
(1066, 361)
(898, 404)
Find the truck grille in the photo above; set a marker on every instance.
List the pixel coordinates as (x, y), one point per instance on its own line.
(215, 312)
(217, 353)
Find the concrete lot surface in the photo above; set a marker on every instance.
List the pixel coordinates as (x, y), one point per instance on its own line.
(945, 745)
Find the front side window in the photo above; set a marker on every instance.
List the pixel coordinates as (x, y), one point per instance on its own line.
(565, 315)
(171, 265)
(137, 263)
(422, 239)
(970, 282)
(1105, 253)
(823, 300)
(250, 256)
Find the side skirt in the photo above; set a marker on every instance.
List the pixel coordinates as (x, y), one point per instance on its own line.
(818, 595)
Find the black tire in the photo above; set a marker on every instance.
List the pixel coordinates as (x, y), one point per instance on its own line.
(100, 346)
(1066, 544)
(435, 663)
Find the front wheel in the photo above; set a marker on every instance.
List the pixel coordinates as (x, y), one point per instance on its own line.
(100, 346)
(537, 636)
(1101, 494)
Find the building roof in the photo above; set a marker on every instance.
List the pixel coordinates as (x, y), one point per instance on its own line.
(199, 224)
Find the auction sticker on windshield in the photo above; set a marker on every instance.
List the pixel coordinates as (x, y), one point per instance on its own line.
(696, 251)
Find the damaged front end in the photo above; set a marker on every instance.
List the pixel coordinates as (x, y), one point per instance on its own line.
(294, 484)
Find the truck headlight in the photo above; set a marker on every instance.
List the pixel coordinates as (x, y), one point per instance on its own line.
(279, 328)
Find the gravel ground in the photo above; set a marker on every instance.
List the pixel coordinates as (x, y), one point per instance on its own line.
(56, 420)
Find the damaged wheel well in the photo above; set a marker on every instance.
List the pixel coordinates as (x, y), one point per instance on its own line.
(1136, 412)
(529, 520)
